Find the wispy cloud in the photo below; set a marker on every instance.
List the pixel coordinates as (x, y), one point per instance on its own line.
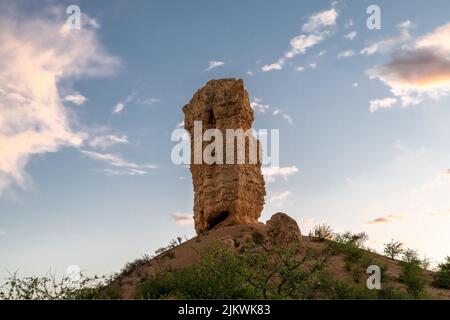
(320, 20)
(119, 166)
(214, 64)
(346, 54)
(316, 30)
(106, 141)
(387, 44)
(274, 66)
(33, 119)
(348, 24)
(134, 98)
(184, 219)
(120, 106)
(150, 101)
(76, 98)
(125, 172)
(381, 104)
(279, 198)
(351, 35)
(442, 213)
(386, 219)
(258, 105)
(279, 112)
(271, 173)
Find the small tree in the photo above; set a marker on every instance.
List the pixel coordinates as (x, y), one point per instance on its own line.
(393, 249)
(411, 256)
(412, 277)
(425, 262)
(442, 279)
(355, 239)
(323, 232)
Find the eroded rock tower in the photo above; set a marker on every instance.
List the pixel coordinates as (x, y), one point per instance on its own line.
(224, 194)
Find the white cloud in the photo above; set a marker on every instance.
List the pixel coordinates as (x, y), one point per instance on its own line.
(316, 29)
(106, 141)
(118, 165)
(410, 101)
(184, 219)
(34, 55)
(348, 24)
(279, 198)
(346, 54)
(214, 64)
(76, 98)
(388, 44)
(356, 84)
(419, 71)
(133, 98)
(279, 112)
(288, 118)
(258, 105)
(119, 107)
(313, 65)
(150, 101)
(271, 173)
(351, 35)
(381, 104)
(320, 20)
(302, 42)
(300, 68)
(274, 66)
(125, 172)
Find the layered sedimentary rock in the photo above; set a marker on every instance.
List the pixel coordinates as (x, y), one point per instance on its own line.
(224, 194)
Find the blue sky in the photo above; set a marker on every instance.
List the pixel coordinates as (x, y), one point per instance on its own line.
(363, 139)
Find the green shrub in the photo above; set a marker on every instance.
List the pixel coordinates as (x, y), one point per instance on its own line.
(338, 289)
(442, 279)
(412, 277)
(223, 273)
(49, 287)
(257, 237)
(356, 239)
(411, 256)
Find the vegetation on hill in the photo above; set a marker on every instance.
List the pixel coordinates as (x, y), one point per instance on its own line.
(256, 269)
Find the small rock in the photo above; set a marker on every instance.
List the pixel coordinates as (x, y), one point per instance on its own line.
(228, 242)
(282, 229)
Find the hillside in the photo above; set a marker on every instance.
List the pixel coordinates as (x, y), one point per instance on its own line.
(343, 274)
